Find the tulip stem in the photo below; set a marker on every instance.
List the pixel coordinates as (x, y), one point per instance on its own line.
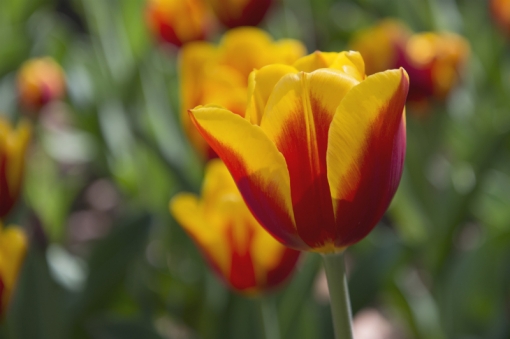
(269, 317)
(339, 295)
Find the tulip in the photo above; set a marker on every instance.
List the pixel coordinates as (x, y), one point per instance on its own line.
(382, 46)
(501, 13)
(13, 247)
(433, 60)
(235, 13)
(178, 21)
(219, 74)
(13, 145)
(320, 152)
(39, 82)
(239, 250)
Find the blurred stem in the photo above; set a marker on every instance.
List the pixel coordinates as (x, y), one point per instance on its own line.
(339, 295)
(269, 317)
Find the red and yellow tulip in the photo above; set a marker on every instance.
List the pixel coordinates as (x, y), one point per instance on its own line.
(235, 13)
(320, 152)
(179, 21)
(40, 81)
(13, 146)
(501, 13)
(240, 251)
(219, 74)
(433, 60)
(13, 247)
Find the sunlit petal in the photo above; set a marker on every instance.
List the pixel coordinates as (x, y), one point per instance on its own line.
(257, 166)
(366, 151)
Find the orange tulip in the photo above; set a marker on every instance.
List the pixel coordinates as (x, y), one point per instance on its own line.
(320, 151)
(219, 74)
(179, 21)
(13, 247)
(13, 145)
(235, 13)
(239, 250)
(433, 60)
(40, 81)
(501, 12)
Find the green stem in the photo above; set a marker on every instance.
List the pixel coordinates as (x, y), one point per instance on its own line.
(339, 295)
(269, 317)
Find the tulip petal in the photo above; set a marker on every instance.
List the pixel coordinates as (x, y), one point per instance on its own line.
(242, 274)
(186, 210)
(257, 167)
(267, 254)
(315, 61)
(287, 51)
(260, 86)
(13, 246)
(350, 63)
(366, 152)
(194, 58)
(246, 48)
(297, 120)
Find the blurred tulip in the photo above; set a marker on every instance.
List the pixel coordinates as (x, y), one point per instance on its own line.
(240, 251)
(320, 152)
(219, 74)
(179, 21)
(13, 145)
(40, 81)
(13, 247)
(235, 13)
(501, 13)
(433, 60)
(381, 45)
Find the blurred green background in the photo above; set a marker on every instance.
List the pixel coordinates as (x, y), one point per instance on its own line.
(107, 260)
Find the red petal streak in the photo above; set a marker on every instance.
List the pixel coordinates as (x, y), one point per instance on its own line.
(303, 144)
(242, 272)
(6, 197)
(381, 170)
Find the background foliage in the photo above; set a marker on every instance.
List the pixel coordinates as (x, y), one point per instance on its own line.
(107, 260)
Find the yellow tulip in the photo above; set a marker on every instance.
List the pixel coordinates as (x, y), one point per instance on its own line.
(219, 74)
(239, 250)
